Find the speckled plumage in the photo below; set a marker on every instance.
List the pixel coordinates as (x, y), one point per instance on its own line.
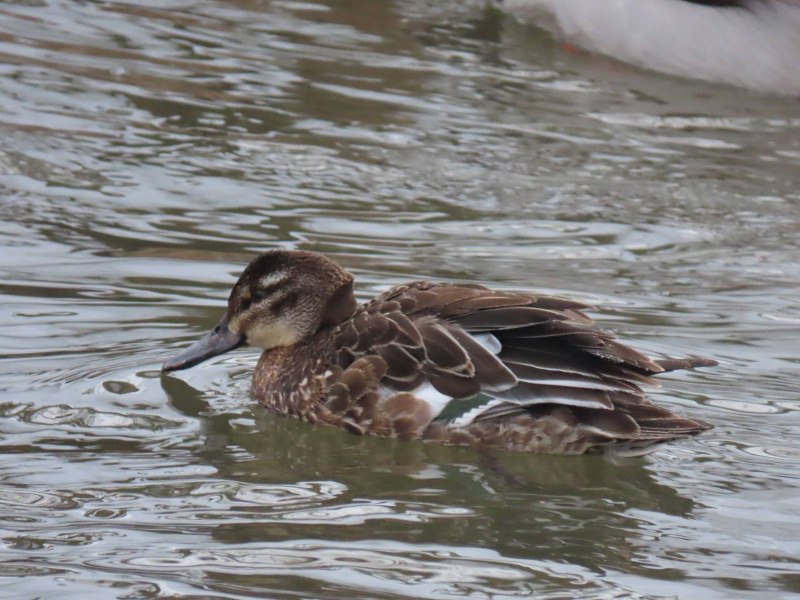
(453, 363)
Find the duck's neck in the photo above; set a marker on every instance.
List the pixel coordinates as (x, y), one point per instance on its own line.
(287, 379)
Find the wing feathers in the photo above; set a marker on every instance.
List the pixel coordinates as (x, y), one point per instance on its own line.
(509, 318)
(490, 372)
(535, 393)
(408, 335)
(442, 349)
(453, 384)
(511, 354)
(402, 365)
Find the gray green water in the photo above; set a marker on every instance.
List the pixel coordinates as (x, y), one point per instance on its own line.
(147, 151)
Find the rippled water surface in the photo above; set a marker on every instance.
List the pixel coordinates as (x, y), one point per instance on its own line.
(148, 150)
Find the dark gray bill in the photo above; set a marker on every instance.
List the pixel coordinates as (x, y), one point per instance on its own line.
(220, 340)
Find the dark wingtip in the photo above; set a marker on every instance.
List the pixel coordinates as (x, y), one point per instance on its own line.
(704, 362)
(674, 364)
(702, 425)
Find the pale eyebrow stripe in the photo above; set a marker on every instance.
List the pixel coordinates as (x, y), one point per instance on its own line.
(273, 278)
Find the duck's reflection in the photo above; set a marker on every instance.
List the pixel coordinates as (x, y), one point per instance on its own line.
(539, 507)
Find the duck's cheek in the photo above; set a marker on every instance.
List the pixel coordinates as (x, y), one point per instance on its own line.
(271, 335)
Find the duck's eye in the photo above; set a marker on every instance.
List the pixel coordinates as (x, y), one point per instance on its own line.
(258, 296)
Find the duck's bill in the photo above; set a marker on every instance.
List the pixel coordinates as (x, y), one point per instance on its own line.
(218, 341)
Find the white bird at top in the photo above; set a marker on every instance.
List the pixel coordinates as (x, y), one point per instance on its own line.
(748, 43)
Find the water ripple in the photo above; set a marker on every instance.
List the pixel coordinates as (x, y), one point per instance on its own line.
(148, 151)
(426, 571)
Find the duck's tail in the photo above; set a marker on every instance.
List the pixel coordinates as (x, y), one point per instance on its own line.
(675, 364)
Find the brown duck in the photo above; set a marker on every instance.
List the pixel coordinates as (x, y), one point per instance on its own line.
(448, 362)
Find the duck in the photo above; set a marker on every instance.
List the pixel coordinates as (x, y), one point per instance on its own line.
(455, 363)
(746, 43)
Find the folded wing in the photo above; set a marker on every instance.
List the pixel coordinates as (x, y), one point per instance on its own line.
(477, 354)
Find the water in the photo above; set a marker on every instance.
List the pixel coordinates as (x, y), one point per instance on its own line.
(148, 151)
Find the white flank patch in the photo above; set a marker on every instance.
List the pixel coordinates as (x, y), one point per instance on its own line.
(469, 417)
(439, 401)
(488, 341)
(436, 399)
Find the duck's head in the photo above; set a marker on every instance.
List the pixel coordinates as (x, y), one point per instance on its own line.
(283, 297)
